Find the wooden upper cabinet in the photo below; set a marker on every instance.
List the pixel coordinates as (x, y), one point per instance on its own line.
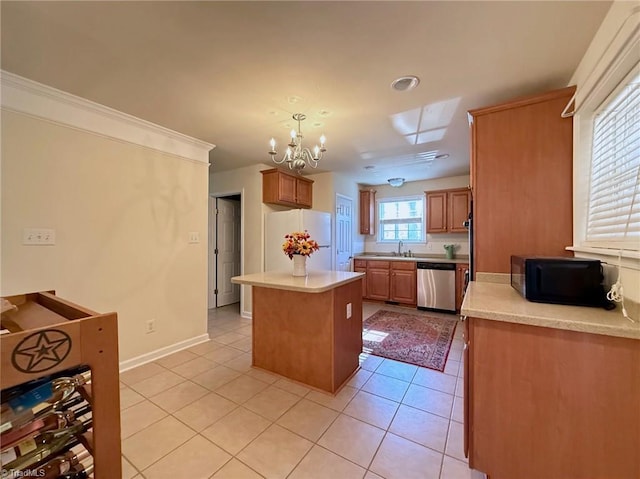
(367, 212)
(458, 204)
(304, 192)
(447, 210)
(522, 177)
(437, 212)
(282, 188)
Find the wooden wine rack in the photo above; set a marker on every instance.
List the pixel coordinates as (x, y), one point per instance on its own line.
(49, 335)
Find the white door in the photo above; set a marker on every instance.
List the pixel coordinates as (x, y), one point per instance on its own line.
(344, 232)
(227, 251)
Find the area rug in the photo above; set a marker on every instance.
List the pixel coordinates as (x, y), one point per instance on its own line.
(411, 338)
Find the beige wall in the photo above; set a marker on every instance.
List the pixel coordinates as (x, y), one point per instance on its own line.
(122, 214)
(435, 242)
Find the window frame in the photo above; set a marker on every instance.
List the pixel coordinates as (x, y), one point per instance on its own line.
(395, 199)
(596, 83)
(613, 243)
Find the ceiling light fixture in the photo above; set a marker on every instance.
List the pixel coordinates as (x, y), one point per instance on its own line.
(396, 182)
(405, 83)
(297, 157)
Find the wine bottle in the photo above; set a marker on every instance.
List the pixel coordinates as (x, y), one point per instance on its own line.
(59, 465)
(52, 420)
(19, 410)
(80, 472)
(50, 442)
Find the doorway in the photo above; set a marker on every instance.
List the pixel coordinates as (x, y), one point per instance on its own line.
(344, 232)
(224, 249)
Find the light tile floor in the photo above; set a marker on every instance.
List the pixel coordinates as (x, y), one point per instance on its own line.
(206, 413)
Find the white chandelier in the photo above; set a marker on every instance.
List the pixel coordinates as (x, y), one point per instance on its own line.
(297, 157)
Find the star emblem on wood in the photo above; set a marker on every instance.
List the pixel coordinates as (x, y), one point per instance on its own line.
(41, 351)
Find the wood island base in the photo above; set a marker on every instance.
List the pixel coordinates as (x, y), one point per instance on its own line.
(306, 336)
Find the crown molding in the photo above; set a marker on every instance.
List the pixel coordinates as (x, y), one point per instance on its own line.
(26, 96)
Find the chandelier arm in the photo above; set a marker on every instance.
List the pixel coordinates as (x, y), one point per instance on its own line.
(310, 158)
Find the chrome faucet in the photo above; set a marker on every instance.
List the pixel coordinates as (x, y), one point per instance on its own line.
(400, 248)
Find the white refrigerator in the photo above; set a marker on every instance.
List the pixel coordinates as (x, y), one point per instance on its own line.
(280, 223)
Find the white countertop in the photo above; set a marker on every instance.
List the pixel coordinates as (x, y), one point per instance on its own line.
(315, 281)
(500, 302)
(426, 259)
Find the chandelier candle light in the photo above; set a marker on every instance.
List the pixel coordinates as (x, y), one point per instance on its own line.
(297, 157)
(297, 246)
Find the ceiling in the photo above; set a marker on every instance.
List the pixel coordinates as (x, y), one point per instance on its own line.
(232, 73)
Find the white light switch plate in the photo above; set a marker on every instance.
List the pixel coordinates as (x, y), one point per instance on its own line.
(38, 236)
(348, 310)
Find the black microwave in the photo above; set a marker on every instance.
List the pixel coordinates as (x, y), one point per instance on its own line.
(572, 281)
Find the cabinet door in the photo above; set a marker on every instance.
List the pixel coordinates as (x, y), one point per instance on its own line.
(286, 188)
(304, 193)
(467, 400)
(437, 212)
(461, 269)
(531, 137)
(378, 284)
(458, 204)
(367, 212)
(403, 286)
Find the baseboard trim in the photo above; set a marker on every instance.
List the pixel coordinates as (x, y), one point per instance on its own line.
(162, 352)
(246, 315)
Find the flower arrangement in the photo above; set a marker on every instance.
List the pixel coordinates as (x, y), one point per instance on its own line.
(299, 242)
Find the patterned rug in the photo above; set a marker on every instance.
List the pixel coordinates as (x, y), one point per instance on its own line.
(410, 338)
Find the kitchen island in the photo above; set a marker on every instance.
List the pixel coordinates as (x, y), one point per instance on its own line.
(308, 329)
(550, 390)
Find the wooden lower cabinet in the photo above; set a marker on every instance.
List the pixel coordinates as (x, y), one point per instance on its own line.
(403, 287)
(378, 280)
(461, 270)
(360, 266)
(388, 280)
(550, 403)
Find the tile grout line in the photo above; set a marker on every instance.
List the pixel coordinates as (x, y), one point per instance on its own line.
(340, 412)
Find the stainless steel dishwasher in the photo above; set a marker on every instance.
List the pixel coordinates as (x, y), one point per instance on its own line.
(437, 286)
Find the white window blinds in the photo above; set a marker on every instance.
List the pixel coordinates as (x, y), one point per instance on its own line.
(614, 189)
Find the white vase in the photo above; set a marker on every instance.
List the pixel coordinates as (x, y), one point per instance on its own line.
(299, 265)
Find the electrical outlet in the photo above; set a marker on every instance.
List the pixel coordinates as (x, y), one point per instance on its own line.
(38, 236)
(429, 247)
(151, 326)
(194, 237)
(348, 310)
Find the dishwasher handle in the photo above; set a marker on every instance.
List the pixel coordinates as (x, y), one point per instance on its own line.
(440, 266)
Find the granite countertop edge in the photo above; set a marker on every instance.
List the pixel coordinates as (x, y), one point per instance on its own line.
(500, 302)
(435, 259)
(316, 281)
